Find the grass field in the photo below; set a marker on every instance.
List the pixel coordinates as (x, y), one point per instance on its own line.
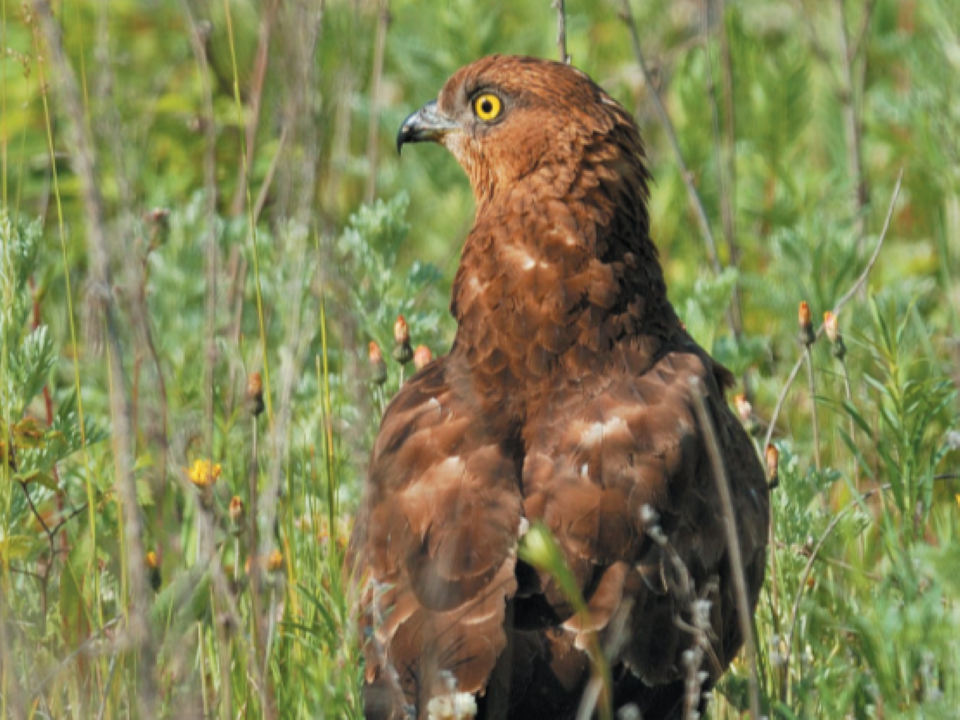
(203, 225)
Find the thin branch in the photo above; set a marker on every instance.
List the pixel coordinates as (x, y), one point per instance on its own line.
(711, 243)
(373, 123)
(851, 117)
(102, 288)
(733, 542)
(862, 32)
(723, 148)
(560, 7)
(198, 41)
(260, 64)
(808, 354)
(847, 297)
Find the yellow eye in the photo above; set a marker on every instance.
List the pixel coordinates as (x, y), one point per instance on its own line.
(487, 107)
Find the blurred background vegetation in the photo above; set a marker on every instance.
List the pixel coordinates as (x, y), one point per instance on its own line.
(204, 223)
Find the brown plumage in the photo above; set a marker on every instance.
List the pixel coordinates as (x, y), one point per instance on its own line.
(566, 398)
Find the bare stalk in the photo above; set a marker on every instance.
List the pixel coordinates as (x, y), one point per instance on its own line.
(852, 122)
(696, 203)
(260, 64)
(808, 354)
(724, 145)
(101, 287)
(560, 7)
(373, 126)
(733, 542)
(711, 243)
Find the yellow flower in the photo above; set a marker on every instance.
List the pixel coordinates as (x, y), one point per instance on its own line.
(204, 473)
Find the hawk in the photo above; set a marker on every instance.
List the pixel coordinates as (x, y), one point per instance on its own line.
(566, 399)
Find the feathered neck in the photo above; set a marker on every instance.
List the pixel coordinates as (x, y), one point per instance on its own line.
(559, 269)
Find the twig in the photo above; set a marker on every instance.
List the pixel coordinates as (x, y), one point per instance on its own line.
(560, 7)
(711, 243)
(733, 541)
(837, 307)
(197, 42)
(724, 153)
(851, 117)
(808, 354)
(255, 98)
(373, 122)
(102, 284)
(864, 28)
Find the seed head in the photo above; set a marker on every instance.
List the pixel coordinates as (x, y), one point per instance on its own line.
(744, 408)
(236, 513)
(401, 331)
(153, 570)
(807, 336)
(831, 326)
(378, 368)
(772, 456)
(255, 393)
(402, 352)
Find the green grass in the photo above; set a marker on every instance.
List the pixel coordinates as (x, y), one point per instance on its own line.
(229, 207)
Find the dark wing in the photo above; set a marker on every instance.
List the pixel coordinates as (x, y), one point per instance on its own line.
(434, 545)
(607, 464)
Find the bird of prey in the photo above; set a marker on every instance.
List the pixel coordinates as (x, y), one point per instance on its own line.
(567, 399)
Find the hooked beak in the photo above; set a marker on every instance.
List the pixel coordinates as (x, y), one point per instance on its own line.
(425, 124)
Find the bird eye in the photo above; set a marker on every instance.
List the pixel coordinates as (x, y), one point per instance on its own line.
(487, 107)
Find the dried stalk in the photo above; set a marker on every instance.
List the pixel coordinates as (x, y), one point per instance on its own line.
(733, 542)
(811, 382)
(560, 7)
(711, 243)
(260, 64)
(695, 201)
(373, 123)
(101, 287)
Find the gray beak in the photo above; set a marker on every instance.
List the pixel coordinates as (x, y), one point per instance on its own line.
(426, 124)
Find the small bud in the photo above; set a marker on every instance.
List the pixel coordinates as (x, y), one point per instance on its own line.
(255, 394)
(422, 357)
(831, 326)
(275, 561)
(744, 408)
(157, 216)
(402, 352)
(236, 513)
(745, 413)
(378, 368)
(773, 465)
(807, 336)
(153, 568)
(401, 332)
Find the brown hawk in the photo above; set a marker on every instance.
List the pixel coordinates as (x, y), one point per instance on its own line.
(567, 398)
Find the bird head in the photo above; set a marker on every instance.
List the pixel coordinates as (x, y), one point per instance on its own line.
(505, 118)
